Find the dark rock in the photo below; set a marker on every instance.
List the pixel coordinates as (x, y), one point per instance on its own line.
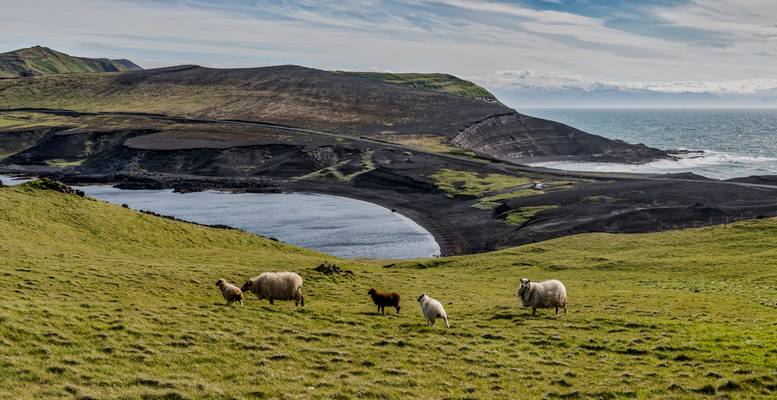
(53, 185)
(328, 269)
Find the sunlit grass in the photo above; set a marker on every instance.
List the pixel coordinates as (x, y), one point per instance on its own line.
(64, 163)
(434, 82)
(98, 301)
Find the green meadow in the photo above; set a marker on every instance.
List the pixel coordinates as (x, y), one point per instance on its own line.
(102, 302)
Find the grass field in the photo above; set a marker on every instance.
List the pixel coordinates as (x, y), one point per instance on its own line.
(101, 302)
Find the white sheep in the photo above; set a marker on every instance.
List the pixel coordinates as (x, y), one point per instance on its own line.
(432, 309)
(230, 292)
(545, 294)
(276, 286)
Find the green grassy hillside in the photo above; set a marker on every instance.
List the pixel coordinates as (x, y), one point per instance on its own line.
(97, 301)
(44, 61)
(434, 82)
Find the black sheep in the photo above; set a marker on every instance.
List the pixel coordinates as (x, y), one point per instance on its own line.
(383, 300)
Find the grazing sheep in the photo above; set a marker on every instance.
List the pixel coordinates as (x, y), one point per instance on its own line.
(432, 309)
(546, 294)
(383, 300)
(230, 292)
(277, 286)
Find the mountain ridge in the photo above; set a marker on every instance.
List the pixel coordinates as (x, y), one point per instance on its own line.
(40, 60)
(439, 82)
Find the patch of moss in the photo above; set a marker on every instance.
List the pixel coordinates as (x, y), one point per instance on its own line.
(470, 183)
(333, 173)
(519, 216)
(490, 202)
(597, 199)
(64, 163)
(428, 143)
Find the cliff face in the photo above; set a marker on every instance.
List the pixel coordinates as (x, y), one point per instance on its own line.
(524, 139)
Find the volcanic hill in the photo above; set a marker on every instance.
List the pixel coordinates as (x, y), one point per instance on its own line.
(345, 103)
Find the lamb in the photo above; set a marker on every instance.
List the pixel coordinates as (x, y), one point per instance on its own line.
(432, 309)
(277, 286)
(230, 292)
(546, 294)
(383, 300)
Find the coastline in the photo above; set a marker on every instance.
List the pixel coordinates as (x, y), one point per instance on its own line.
(588, 202)
(434, 230)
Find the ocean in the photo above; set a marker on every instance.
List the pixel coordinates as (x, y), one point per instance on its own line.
(736, 142)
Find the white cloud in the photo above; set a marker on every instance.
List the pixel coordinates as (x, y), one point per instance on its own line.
(743, 19)
(462, 37)
(561, 23)
(530, 79)
(741, 87)
(533, 79)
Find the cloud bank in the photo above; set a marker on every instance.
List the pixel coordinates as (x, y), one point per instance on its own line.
(717, 47)
(549, 80)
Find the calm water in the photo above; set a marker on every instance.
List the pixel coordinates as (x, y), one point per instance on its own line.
(11, 181)
(335, 225)
(737, 142)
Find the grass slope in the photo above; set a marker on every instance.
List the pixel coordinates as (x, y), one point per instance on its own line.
(434, 82)
(44, 61)
(97, 301)
(287, 94)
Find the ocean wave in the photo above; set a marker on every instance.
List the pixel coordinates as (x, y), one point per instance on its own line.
(712, 164)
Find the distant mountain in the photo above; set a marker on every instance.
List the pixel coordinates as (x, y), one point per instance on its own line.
(40, 60)
(129, 65)
(616, 97)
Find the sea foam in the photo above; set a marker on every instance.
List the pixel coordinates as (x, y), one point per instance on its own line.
(712, 164)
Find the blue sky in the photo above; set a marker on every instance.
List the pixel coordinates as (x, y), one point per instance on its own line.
(664, 44)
